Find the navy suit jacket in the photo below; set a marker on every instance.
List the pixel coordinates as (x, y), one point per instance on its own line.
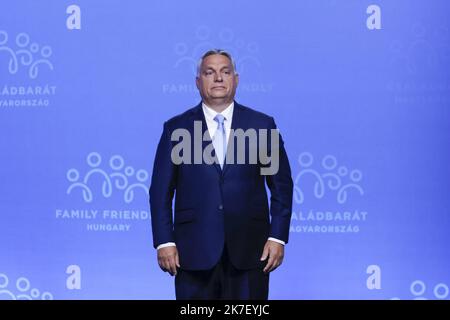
(215, 206)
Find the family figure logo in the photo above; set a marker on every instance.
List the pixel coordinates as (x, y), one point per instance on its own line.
(24, 53)
(21, 291)
(418, 291)
(329, 178)
(327, 197)
(116, 177)
(124, 188)
(246, 53)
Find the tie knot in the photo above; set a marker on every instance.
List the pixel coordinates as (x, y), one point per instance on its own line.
(219, 118)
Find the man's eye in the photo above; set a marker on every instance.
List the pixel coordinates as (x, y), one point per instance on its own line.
(208, 73)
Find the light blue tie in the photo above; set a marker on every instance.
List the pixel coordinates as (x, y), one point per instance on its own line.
(220, 139)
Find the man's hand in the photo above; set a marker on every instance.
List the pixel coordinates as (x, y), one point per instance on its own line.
(275, 252)
(168, 259)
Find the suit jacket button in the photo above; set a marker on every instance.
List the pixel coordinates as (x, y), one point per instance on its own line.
(220, 207)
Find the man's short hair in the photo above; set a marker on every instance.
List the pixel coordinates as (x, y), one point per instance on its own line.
(215, 51)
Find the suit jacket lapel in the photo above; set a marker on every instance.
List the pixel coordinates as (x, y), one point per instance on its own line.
(198, 115)
(237, 122)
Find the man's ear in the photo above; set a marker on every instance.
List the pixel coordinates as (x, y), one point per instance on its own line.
(197, 82)
(237, 78)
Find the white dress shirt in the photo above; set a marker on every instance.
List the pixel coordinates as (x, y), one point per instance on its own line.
(212, 127)
(210, 114)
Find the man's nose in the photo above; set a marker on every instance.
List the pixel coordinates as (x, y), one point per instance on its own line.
(218, 78)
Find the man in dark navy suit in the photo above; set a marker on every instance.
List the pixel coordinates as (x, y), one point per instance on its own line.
(223, 240)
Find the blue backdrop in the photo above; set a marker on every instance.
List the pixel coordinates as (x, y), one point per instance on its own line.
(359, 89)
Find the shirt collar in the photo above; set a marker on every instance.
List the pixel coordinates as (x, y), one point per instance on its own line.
(210, 113)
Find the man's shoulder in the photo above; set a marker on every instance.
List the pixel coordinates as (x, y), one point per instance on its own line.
(185, 117)
(182, 117)
(255, 114)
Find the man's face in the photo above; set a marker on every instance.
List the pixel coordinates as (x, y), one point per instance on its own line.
(217, 81)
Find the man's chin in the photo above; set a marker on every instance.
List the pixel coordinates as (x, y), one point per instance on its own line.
(219, 97)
